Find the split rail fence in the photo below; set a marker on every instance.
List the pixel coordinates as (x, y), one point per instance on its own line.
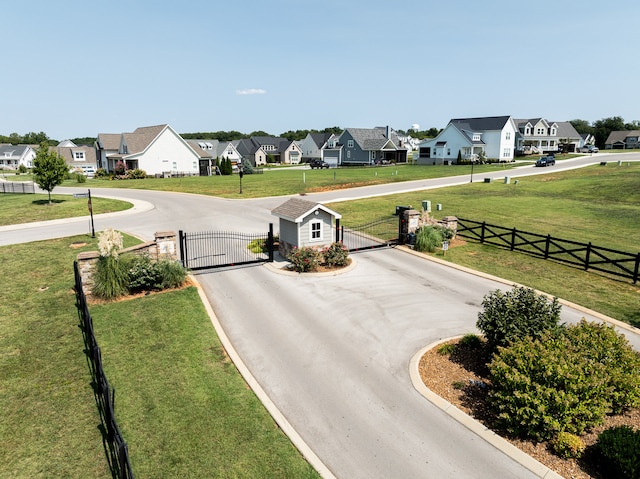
(583, 255)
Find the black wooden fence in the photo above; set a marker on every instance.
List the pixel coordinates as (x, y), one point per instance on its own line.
(582, 255)
(17, 187)
(118, 453)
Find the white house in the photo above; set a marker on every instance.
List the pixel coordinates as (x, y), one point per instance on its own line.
(471, 137)
(12, 156)
(536, 135)
(158, 150)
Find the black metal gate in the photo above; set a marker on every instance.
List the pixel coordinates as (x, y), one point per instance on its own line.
(376, 234)
(216, 249)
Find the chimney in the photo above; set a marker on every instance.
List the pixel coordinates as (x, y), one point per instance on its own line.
(388, 132)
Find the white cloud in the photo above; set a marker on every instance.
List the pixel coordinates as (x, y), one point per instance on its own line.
(251, 91)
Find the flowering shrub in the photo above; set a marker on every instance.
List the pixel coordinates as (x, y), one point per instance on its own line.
(335, 254)
(111, 274)
(305, 259)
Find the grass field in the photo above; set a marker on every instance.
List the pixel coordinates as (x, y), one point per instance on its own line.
(597, 204)
(288, 181)
(183, 408)
(17, 209)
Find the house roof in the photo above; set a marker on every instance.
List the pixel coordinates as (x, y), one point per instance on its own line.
(14, 151)
(621, 136)
(109, 141)
(566, 130)
(295, 209)
(481, 123)
(374, 139)
(68, 153)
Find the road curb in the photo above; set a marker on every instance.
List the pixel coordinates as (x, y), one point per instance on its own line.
(273, 410)
(535, 466)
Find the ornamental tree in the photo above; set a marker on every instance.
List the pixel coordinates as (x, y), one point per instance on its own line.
(49, 169)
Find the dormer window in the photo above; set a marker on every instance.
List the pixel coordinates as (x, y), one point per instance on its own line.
(476, 137)
(553, 131)
(78, 155)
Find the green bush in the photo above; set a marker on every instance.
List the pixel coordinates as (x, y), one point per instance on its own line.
(619, 449)
(428, 238)
(305, 259)
(471, 341)
(603, 345)
(567, 445)
(101, 173)
(80, 178)
(447, 234)
(136, 174)
(335, 254)
(515, 314)
(147, 275)
(22, 169)
(567, 380)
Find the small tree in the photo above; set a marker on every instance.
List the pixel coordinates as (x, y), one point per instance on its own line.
(49, 169)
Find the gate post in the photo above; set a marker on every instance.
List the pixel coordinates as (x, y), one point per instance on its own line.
(270, 242)
(183, 247)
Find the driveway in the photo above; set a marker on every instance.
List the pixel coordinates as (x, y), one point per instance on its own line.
(333, 352)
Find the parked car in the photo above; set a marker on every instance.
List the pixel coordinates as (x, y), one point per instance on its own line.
(589, 149)
(546, 161)
(318, 164)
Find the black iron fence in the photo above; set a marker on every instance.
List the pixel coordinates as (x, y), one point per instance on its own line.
(17, 187)
(117, 451)
(375, 234)
(216, 249)
(582, 255)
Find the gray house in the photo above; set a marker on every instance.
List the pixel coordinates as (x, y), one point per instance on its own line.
(371, 146)
(304, 223)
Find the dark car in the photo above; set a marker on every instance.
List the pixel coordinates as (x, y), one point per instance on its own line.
(318, 164)
(546, 161)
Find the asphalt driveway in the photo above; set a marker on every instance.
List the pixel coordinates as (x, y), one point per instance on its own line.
(333, 352)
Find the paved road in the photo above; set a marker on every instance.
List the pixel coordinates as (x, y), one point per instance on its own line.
(333, 352)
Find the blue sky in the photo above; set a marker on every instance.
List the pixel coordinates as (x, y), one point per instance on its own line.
(75, 68)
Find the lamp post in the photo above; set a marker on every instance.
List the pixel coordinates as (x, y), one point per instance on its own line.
(472, 163)
(240, 174)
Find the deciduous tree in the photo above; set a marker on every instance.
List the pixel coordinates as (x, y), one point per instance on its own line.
(49, 169)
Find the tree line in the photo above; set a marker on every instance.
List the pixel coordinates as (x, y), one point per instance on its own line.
(601, 129)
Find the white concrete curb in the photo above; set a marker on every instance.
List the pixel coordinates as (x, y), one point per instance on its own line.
(277, 415)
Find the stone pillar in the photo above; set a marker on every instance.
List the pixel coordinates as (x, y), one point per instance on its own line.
(450, 222)
(166, 245)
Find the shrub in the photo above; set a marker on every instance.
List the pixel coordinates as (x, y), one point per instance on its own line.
(147, 275)
(470, 341)
(101, 173)
(516, 314)
(22, 169)
(111, 278)
(601, 344)
(305, 259)
(80, 178)
(335, 254)
(567, 445)
(428, 239)
(136, 174)
(541, 387)
(447, 234)
(446, 349)
(619, 448)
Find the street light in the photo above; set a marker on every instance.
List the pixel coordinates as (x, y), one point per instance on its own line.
(240, 174)
(472, 163)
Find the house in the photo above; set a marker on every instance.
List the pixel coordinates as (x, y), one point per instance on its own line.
(536, 135)
(369, 146)
(12, 156)
(569, 140)
(210, 151)
(157, 150)
(79, 158)
(623, 140)
(304, 223)
(312, 145)
(260, 150)
(492, 137)
(587, 139)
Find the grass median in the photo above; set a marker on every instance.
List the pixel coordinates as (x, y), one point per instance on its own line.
(182, 407)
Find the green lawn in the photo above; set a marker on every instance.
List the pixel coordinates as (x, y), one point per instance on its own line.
(17, 209)
(183, 408)
(597, 204)
(288, 181)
